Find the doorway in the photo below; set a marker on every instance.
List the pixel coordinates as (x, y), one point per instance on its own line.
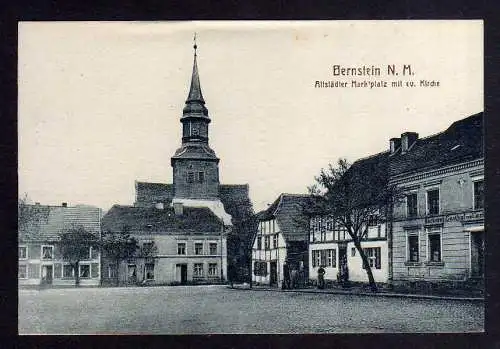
(273, 281)
(477, 254)
(181, 273)
(47, 274)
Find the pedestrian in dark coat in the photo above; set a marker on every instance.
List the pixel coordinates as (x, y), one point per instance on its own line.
(286, 277)
(321, 278)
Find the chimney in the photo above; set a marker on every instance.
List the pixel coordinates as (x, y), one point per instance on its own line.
(64, 204)
(394, 143)
(178, 208)
(407, 140)
(159, 205)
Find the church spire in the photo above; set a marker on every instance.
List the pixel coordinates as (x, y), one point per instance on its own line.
(195, 89)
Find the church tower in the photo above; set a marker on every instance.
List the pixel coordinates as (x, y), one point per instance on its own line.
(195, 165)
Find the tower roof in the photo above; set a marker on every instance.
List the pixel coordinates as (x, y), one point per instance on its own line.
(195, 104)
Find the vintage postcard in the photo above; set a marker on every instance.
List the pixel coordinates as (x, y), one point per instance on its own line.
(251, 177)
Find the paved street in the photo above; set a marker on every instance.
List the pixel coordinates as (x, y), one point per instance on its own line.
(217, 309)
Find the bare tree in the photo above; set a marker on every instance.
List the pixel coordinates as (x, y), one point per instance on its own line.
(353, 195)
(75, 246)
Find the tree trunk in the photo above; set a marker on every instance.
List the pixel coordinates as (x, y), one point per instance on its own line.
(77, 274)
(371, 280)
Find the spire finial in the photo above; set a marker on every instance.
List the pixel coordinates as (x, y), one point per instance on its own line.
(195, 46)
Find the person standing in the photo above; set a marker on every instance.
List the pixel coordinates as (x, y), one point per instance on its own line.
(286, 277)
(321, 278)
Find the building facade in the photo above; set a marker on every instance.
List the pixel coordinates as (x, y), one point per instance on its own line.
(281, 238)
(175, 246)
(438, 224)
(40, 259)
(330, 245)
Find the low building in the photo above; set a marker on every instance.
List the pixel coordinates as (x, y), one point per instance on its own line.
(40, 259)
(282, 237)
(177, 245)
(438, 228)
(330, 244)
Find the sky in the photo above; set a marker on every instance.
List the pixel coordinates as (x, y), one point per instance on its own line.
(99, 102)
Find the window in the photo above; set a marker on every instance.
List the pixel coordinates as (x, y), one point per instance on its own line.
(67, 271)
(267, 242)
(331, 258)
(213, 248)
(201, 177)
(22, 272)
(112, 273)
(84, 270)
(316, 261)
(149, 270)
(478, 195)
(323, 258)
(413, 248)
(275, 241)
(433, 201)
(198, 248)
(181, 248)
(353, 251)
(23, 252)
(94, 253)
(47, 252)
(260, 268)
(212, 269)
(373, 256)
(372, 220)
(434, 247)
(259, 242)
(323, 235)
(198, 270)
(190, 177)
(411, 205)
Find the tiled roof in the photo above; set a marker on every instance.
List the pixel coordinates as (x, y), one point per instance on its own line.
(148, 193)
(462, 141)
(288, 209)
(46, 223)
(163, 221)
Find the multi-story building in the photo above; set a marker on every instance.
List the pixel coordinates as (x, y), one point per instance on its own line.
(40, 259)
(195, 189)
(330, 244)
(438, 227)
(281, 238)
(175, 245)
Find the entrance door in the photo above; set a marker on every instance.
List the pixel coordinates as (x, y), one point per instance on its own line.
(343, 261)
(274, 273)
(181, 273)
(47, 274)
(477, 253)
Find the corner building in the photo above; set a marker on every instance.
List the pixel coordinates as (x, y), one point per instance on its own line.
(438, 225)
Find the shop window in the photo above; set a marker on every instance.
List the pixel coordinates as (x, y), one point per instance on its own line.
(434, 247)
(413, 248)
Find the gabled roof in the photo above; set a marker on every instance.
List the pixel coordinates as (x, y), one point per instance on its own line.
(148, 220)
(288, 210)
(462, 141)
(46, 223)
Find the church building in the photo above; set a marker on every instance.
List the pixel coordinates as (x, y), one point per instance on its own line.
(190, 221)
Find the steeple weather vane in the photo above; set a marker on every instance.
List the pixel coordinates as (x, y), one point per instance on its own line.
(195, 46)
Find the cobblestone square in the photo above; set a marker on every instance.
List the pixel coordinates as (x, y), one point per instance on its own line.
(218, 309)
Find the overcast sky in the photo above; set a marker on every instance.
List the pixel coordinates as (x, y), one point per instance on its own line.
(100, 102)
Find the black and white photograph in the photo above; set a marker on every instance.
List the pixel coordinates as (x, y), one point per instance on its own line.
(251, 177)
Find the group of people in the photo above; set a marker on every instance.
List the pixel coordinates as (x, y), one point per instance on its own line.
(292, 278)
